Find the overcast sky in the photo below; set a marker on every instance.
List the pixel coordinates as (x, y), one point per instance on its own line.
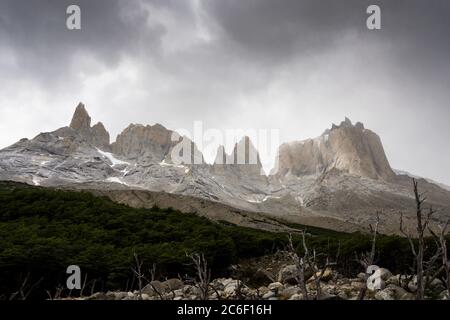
(292, 65)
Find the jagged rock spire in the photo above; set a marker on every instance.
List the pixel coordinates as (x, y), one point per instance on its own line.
(81, 119)
(96, 135)
(244, 152)
(221, 156)
(100, 136)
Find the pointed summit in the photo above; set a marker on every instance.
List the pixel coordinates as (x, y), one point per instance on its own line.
(100, 136)
(221, 156)
(244, 152)
(81, 119)
(97, 135)
(346, 123)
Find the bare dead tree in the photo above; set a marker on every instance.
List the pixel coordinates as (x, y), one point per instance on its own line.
(93, 286)
(218, 295)
(368, 258)
(300, 263)
(319, 270)
(137, 270)
(25, 288)
(84, 285)
(422, 221)
(442, 243)
(151, 282)
(153, 272)
(203, 273)
(58, 292)
(430, 272)
(240, 285)
(141, 278)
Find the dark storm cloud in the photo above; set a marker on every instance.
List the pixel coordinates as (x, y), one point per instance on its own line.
(265, 31)
(36, 31)
(278, 30)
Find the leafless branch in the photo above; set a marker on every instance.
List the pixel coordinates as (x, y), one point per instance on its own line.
(299, 263)
(368, 259)
(137, 270)
(442, 243)
(203, 273)
(421, 227)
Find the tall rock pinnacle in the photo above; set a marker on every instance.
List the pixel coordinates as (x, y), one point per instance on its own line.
(100, 137)
(96, 135)
(81, 119)
(244, 160)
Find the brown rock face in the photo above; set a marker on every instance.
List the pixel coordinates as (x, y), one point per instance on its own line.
(244, 153)
(81, 119)
(100, 137)
(243, 159)
(349, 148)
(96, 135)
(155, 143)
(138, 140)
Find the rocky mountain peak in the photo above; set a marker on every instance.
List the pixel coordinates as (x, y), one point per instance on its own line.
(97, 135)
(347, 123)
(347, 147)
(221, 156)
(81, 119)
(100, 136)
(138, 140)
(244, 152)
(343, 174)
(244, 160)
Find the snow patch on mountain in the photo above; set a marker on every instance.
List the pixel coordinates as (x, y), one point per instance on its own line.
(116, 180)
(165, 164)
(112, 158)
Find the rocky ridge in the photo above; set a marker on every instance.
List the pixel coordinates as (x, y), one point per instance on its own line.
(342, 176)
(347, 147)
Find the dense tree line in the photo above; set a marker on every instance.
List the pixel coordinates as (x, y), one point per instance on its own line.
(42, 231)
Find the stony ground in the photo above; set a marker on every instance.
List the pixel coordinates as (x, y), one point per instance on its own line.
(281, 285)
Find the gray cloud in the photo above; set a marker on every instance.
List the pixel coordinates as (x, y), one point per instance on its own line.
(45, 49)
(297, 65)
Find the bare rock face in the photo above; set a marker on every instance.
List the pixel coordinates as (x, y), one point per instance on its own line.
(241, 172)
(337, 180)
(100, 137)
(156, 144)
(244, 158)
(81, 119)
(96, 135)
(143, 141)
(347, 147)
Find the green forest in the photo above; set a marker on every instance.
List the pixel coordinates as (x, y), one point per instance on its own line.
(43, 230)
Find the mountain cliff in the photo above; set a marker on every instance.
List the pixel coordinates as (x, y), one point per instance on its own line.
(348, 148)
(81, 124)
(339, 178)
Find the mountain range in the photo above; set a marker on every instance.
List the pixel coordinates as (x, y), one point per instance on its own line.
(338, 180)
